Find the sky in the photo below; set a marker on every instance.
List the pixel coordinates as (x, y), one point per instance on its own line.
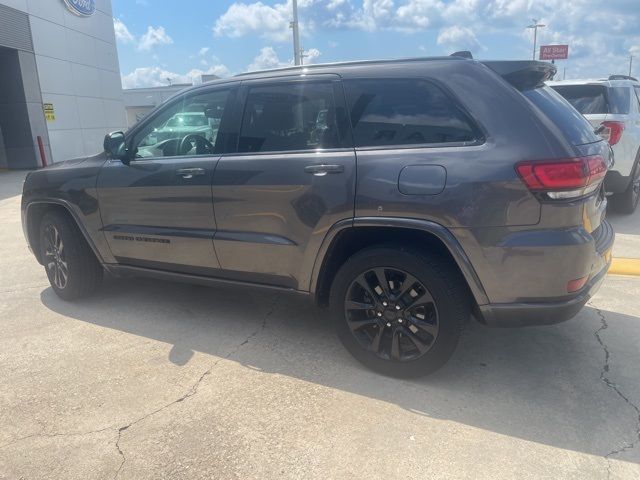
(180, 40)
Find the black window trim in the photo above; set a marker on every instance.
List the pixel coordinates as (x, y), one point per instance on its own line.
(339, 96)
(481, 138)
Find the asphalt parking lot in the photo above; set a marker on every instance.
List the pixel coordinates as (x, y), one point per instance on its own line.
(158, 380)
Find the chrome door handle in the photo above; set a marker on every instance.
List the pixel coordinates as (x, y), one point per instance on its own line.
(322, 170)
(188, 173)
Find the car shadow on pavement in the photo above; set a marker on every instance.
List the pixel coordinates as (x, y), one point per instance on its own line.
(625, 224)
(540, 384)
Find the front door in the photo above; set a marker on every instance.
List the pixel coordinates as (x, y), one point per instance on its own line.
(291, 179)
(157, 211)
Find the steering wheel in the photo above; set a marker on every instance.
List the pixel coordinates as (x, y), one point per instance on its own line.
(191, 140)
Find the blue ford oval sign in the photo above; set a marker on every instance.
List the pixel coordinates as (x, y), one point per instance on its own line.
(83, 8)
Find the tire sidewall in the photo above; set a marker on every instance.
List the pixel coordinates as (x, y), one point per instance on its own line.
(85, 273)
(443, 287)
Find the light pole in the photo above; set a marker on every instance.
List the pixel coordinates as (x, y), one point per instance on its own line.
(296, 34)
(535, 26)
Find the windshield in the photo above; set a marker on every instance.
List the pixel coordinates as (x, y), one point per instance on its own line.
(188, 121)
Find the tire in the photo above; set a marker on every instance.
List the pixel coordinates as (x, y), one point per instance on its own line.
(436, 279)
(71, 266)
(627, 201)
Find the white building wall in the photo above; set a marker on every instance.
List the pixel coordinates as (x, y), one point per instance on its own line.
(78, 70)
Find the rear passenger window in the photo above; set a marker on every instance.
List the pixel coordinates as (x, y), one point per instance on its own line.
(391, 112)
(296, 116)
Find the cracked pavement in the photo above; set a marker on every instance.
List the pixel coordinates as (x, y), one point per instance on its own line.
(150, 379)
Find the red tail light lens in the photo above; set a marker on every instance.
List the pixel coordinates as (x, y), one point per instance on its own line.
(569, 178)
(612, 132)
(577, 284)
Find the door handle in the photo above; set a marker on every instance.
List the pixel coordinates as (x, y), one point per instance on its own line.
(322, 170)
(188, 173)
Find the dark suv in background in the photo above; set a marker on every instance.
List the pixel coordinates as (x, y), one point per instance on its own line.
(403, 195)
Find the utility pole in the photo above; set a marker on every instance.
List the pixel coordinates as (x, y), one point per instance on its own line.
(296, 35)
(630, 63)
(535, 26)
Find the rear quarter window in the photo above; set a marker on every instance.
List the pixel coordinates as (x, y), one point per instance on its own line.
(396, 112)
(575, 128)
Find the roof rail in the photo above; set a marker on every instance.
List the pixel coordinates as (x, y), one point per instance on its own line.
(622, 77)
(356, 63)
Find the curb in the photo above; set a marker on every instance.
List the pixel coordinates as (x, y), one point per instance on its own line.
(625, 266)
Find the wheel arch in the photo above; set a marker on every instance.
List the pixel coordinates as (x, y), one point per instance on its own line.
(34, 213)
(343, 242)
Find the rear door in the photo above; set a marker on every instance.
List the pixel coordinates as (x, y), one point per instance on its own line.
(157, 211)
(291, 179)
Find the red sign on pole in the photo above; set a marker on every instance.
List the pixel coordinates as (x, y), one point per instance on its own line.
(554, 52)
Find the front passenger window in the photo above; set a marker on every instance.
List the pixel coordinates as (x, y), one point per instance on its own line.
(190, 127)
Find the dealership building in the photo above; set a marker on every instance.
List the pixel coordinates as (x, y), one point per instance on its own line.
(60, 86)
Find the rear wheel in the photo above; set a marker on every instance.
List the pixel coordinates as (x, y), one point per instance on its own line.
(399, 311)
(627, 201)
(72, 268)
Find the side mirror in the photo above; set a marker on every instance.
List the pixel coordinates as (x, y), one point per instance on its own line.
(114, 145)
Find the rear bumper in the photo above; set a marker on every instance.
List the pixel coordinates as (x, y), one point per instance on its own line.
(559, 310)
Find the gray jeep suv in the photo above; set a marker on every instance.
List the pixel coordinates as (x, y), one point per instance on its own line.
(403, 195)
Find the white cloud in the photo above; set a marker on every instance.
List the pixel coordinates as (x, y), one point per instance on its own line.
(257, 18)
(458, 38)
(267, 59)
(311, 55)
(122, 32)
(156, 76)
(154, 36)
(203, 51)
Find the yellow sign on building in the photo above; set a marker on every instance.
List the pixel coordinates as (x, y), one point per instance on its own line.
(49, 112)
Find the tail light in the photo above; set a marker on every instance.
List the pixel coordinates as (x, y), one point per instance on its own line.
(563, 178)
(577, 284)
(612, 132)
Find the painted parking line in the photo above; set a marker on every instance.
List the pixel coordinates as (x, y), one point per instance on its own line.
(625, 266)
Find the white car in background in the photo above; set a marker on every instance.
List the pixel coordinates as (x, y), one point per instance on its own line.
(612, 105)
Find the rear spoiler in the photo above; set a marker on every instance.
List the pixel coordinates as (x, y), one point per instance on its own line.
(523, 74)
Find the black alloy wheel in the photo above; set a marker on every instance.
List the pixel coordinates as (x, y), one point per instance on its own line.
(55, 257)
(399, 310)
(392, 314)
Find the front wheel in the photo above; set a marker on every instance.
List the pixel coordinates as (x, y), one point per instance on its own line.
(399, 311)
(72, 268)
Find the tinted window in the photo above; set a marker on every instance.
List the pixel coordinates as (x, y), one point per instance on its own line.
(595, 99)
(404, 112)
(296, 116)
(587, 99)
(567, 119)
(619, 100)
(188, 120)
(187, 127)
